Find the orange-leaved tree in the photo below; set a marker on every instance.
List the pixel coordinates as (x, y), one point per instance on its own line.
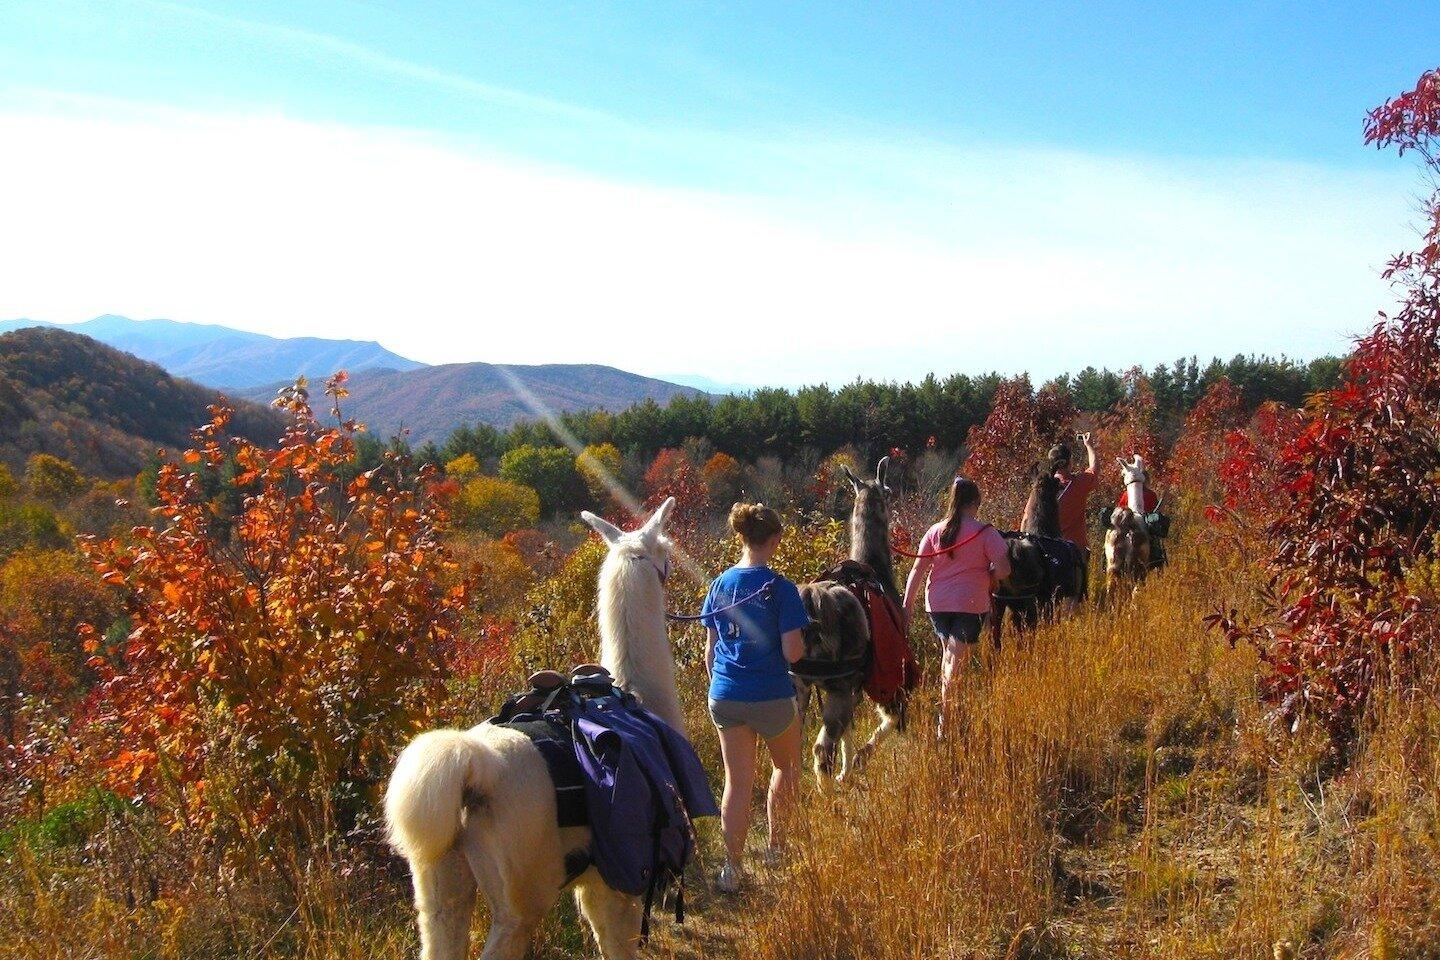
(277, 659)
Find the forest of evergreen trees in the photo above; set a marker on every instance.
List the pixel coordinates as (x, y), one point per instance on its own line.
(870, 416)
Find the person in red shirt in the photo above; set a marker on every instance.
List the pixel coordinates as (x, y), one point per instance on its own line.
(1075, 490)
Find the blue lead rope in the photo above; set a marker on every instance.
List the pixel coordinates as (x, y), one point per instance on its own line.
(738, 603)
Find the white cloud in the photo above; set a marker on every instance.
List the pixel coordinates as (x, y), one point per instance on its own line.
(876, 258)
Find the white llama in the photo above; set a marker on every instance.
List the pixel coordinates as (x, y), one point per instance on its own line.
(476, 808)
(1127, 543)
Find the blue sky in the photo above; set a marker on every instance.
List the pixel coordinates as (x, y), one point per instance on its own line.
(933, 186)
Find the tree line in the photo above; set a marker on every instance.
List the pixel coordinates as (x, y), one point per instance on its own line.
(869, 416)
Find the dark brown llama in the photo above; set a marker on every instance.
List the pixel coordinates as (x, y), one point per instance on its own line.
(1044, 568)
(837, 643)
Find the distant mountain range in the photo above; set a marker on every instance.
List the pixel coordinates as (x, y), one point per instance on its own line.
(227, 358)
(103, 410)
(432, 401)
(388, 392)
(707, 384)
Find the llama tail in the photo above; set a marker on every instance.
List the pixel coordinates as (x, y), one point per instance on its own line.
(434, 777)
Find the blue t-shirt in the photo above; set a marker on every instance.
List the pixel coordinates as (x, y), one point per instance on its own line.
(750, 664)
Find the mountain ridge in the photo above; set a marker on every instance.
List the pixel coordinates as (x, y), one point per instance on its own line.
(102, 409)
(430, 402)
(225, 357)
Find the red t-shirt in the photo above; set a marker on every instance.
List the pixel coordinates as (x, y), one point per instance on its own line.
(1075, 490)
(1151, 500)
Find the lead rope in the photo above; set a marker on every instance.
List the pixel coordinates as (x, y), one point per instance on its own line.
(935, 553)
(738, 603)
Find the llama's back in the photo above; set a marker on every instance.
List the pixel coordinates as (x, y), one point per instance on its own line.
(842, 632)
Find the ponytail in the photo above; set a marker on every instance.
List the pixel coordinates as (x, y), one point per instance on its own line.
(963, 493)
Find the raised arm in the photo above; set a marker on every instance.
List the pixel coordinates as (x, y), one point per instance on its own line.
(1089, 450)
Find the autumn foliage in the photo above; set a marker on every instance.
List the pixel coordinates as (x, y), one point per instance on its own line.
(1352, 594)
(275, 658)
(1022, 424)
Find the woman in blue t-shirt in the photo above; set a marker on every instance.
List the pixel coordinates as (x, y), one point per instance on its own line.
(755, 624)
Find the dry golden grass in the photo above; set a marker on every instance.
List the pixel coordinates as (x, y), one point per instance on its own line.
(1110, 789)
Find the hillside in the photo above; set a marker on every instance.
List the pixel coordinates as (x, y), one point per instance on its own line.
(101, 409)
(432, 401)
(227, 358)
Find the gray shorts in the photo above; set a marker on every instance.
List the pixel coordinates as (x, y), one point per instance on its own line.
(769, 718)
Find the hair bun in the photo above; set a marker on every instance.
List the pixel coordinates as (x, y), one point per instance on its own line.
(754, 522)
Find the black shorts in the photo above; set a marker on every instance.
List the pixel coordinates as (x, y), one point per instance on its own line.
(964, 627)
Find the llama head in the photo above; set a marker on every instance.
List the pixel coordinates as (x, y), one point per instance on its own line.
(1043, 480)
(646, 542)
(871, 496)
(1133, 471)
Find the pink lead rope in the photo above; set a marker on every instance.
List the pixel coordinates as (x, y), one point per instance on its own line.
(935, 553)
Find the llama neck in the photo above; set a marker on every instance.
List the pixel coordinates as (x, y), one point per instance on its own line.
(1135, 490)
(870, 544)
(1042, 515)
(634, 643)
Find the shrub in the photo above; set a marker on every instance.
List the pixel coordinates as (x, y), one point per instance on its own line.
(550, 472)
(599, 464)
(463, 468)
(1357, 487)
(51, 479)
(495, 506)
(272, 669)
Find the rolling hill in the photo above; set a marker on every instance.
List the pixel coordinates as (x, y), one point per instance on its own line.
(103, 410)
(227, 358)
(432, 401)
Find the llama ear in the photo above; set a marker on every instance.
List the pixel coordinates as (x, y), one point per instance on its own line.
(880, 469)
(656, 523)
(600, 525)
(1122, 463)
(855, 481)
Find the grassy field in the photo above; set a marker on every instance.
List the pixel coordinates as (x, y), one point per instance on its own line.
(1111, 789)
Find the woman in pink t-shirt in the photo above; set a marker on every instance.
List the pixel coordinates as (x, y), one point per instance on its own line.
(961, 561)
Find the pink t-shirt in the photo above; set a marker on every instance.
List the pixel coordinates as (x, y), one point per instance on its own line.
(960, 580)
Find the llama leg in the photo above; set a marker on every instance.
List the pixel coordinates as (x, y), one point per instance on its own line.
(519, 894)
(836, 717)
(889, 723)
(444, 899)
(516, 913)
(614, 917)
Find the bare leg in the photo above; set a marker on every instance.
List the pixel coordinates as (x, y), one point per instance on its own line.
(737, 748)
(613, 916)
(445, 899)
(785, 755)
(950, 666)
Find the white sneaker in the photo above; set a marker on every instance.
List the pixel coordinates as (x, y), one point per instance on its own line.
(728, 879)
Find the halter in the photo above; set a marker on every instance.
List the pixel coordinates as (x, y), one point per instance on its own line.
(662, 572)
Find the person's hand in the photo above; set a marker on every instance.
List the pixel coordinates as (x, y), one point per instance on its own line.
(1083, 437)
